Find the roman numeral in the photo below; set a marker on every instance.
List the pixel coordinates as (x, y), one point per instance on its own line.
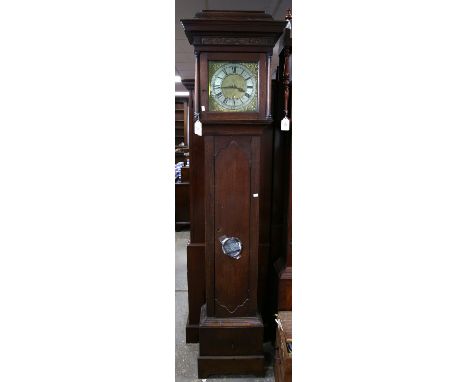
(249, 86)
(247, 95)
(233, 69)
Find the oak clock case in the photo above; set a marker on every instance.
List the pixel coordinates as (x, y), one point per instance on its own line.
(233, 55)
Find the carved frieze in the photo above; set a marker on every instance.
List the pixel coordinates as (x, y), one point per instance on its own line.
(252, 41)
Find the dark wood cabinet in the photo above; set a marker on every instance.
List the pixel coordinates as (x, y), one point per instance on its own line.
(236, 144)
(276, 264)
(182, 205)
(283, 175)
(196, 245)
(283, 347)
(182, 188)
(180, 119)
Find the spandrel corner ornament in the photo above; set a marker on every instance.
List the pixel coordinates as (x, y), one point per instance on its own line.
(231, 246)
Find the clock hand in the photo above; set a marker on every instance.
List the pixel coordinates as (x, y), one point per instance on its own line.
(239, 88)
(233, 87)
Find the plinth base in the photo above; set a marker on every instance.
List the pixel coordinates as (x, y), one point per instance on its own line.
(230, 346)
(240, 365)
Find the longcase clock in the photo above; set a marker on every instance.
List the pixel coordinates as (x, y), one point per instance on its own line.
(232, 100)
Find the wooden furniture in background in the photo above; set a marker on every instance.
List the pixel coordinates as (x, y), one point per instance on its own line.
(196, 245)
(284, 264)
(236, 169)
(285, 260)
(280, 272)
(185, 174)
(181, 121)
(182, 189)
(182, 204)
(283, 347)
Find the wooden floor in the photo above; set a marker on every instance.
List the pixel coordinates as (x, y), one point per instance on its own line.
(186, 354)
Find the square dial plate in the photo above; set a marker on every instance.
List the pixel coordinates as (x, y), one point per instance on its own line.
(233, 86)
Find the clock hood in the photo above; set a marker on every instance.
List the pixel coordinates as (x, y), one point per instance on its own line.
(253, 29)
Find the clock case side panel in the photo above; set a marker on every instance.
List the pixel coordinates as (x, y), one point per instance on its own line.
(204, 82)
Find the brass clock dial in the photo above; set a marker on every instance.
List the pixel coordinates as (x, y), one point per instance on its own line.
(233, 86)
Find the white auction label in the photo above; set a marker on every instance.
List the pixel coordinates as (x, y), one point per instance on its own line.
(198, 128)
(285, 124)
